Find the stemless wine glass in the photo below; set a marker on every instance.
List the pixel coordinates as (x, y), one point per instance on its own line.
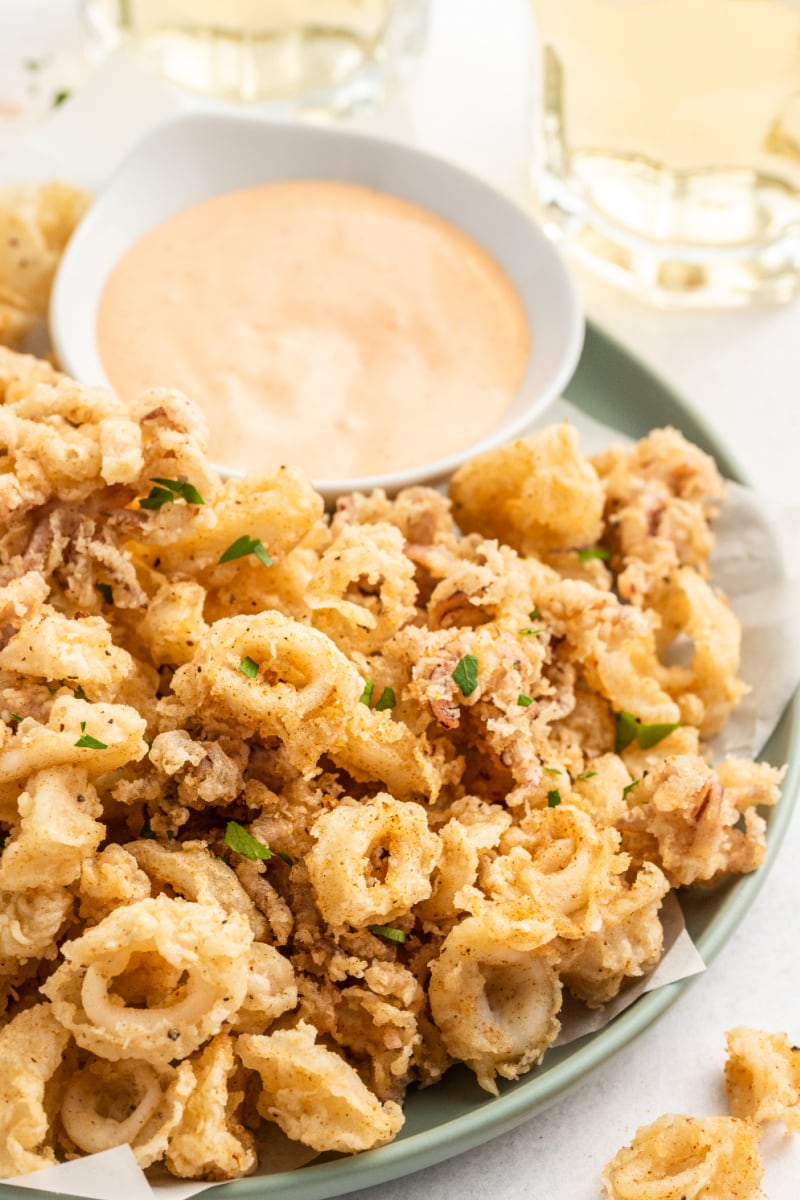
(297, 55)
(668, 144)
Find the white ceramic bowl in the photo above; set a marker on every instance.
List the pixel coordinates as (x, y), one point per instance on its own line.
(191, 158)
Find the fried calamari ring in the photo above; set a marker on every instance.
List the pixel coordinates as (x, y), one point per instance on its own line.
(210, 1142)
(315, 1096)
(196, 874)
(536, 494)
(563, 863)
(710, 689)
(271, 674)
(30, 923)
(51, 646)
(363, 590)
(688, 1158)
(57, 831)
(494, 993)
(153, 980)
(628, 943)
(128, 1102)
(372, 861)
(31, 1047)
(277, 509)
(271, 990)
(117, 728)
(174, 621)
(762, 1077)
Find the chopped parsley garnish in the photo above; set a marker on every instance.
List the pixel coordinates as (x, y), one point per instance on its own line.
(246, 545)
(553, 798)
(386, 700)
(627, 790)
(87, 742)
(553, 770)
(105, 591)
(147, 832)
(585, 775)
(524, 701)
(60, 97)
(248, 667)
(366, 695)
(388, 931)
(530, 632)
(534, 614)
(594, 552)
(15, 718)
(80, 694)
(466, 674)
(168, 490)
(629, 728)
(237, 838)
(650, 735)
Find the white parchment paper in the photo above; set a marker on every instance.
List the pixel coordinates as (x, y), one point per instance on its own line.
(82, 143)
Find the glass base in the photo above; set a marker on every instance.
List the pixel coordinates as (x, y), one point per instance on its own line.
(291, 66)
(722, 239)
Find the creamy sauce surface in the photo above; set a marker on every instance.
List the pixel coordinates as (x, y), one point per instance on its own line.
(320, 324)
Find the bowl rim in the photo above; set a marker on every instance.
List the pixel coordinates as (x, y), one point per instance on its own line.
(463, 184)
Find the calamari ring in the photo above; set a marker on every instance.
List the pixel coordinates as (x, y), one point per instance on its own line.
(306, 692)
(564, 863)
(348, 889)
(315, 1096)
(186, 964)
(494, 995)
(375, 554)
(129, 1102)
(679, 1158)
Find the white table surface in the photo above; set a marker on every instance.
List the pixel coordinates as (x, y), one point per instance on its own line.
(470, 101)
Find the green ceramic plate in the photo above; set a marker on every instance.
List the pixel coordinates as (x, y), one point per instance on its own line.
(455, 1115)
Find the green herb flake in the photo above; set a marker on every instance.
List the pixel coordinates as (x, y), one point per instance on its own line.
(169, 490)
(650, 735)
(627, 726)
(388, 931)
(180, 487)
(80, 694)
(244, 546)
(553, 798)
(646, 736)
(238, 839)
(627, 790)
(60, 97)
(87, 742)
(156, 498)
(146, 832)
(534, 614)
(531, 632)
(585, 775)
(105, 591)
(524, 701)
(594, 552)
(366, 695)
(15, 718)
(466, 674)
(248, 667)
(386, 700)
